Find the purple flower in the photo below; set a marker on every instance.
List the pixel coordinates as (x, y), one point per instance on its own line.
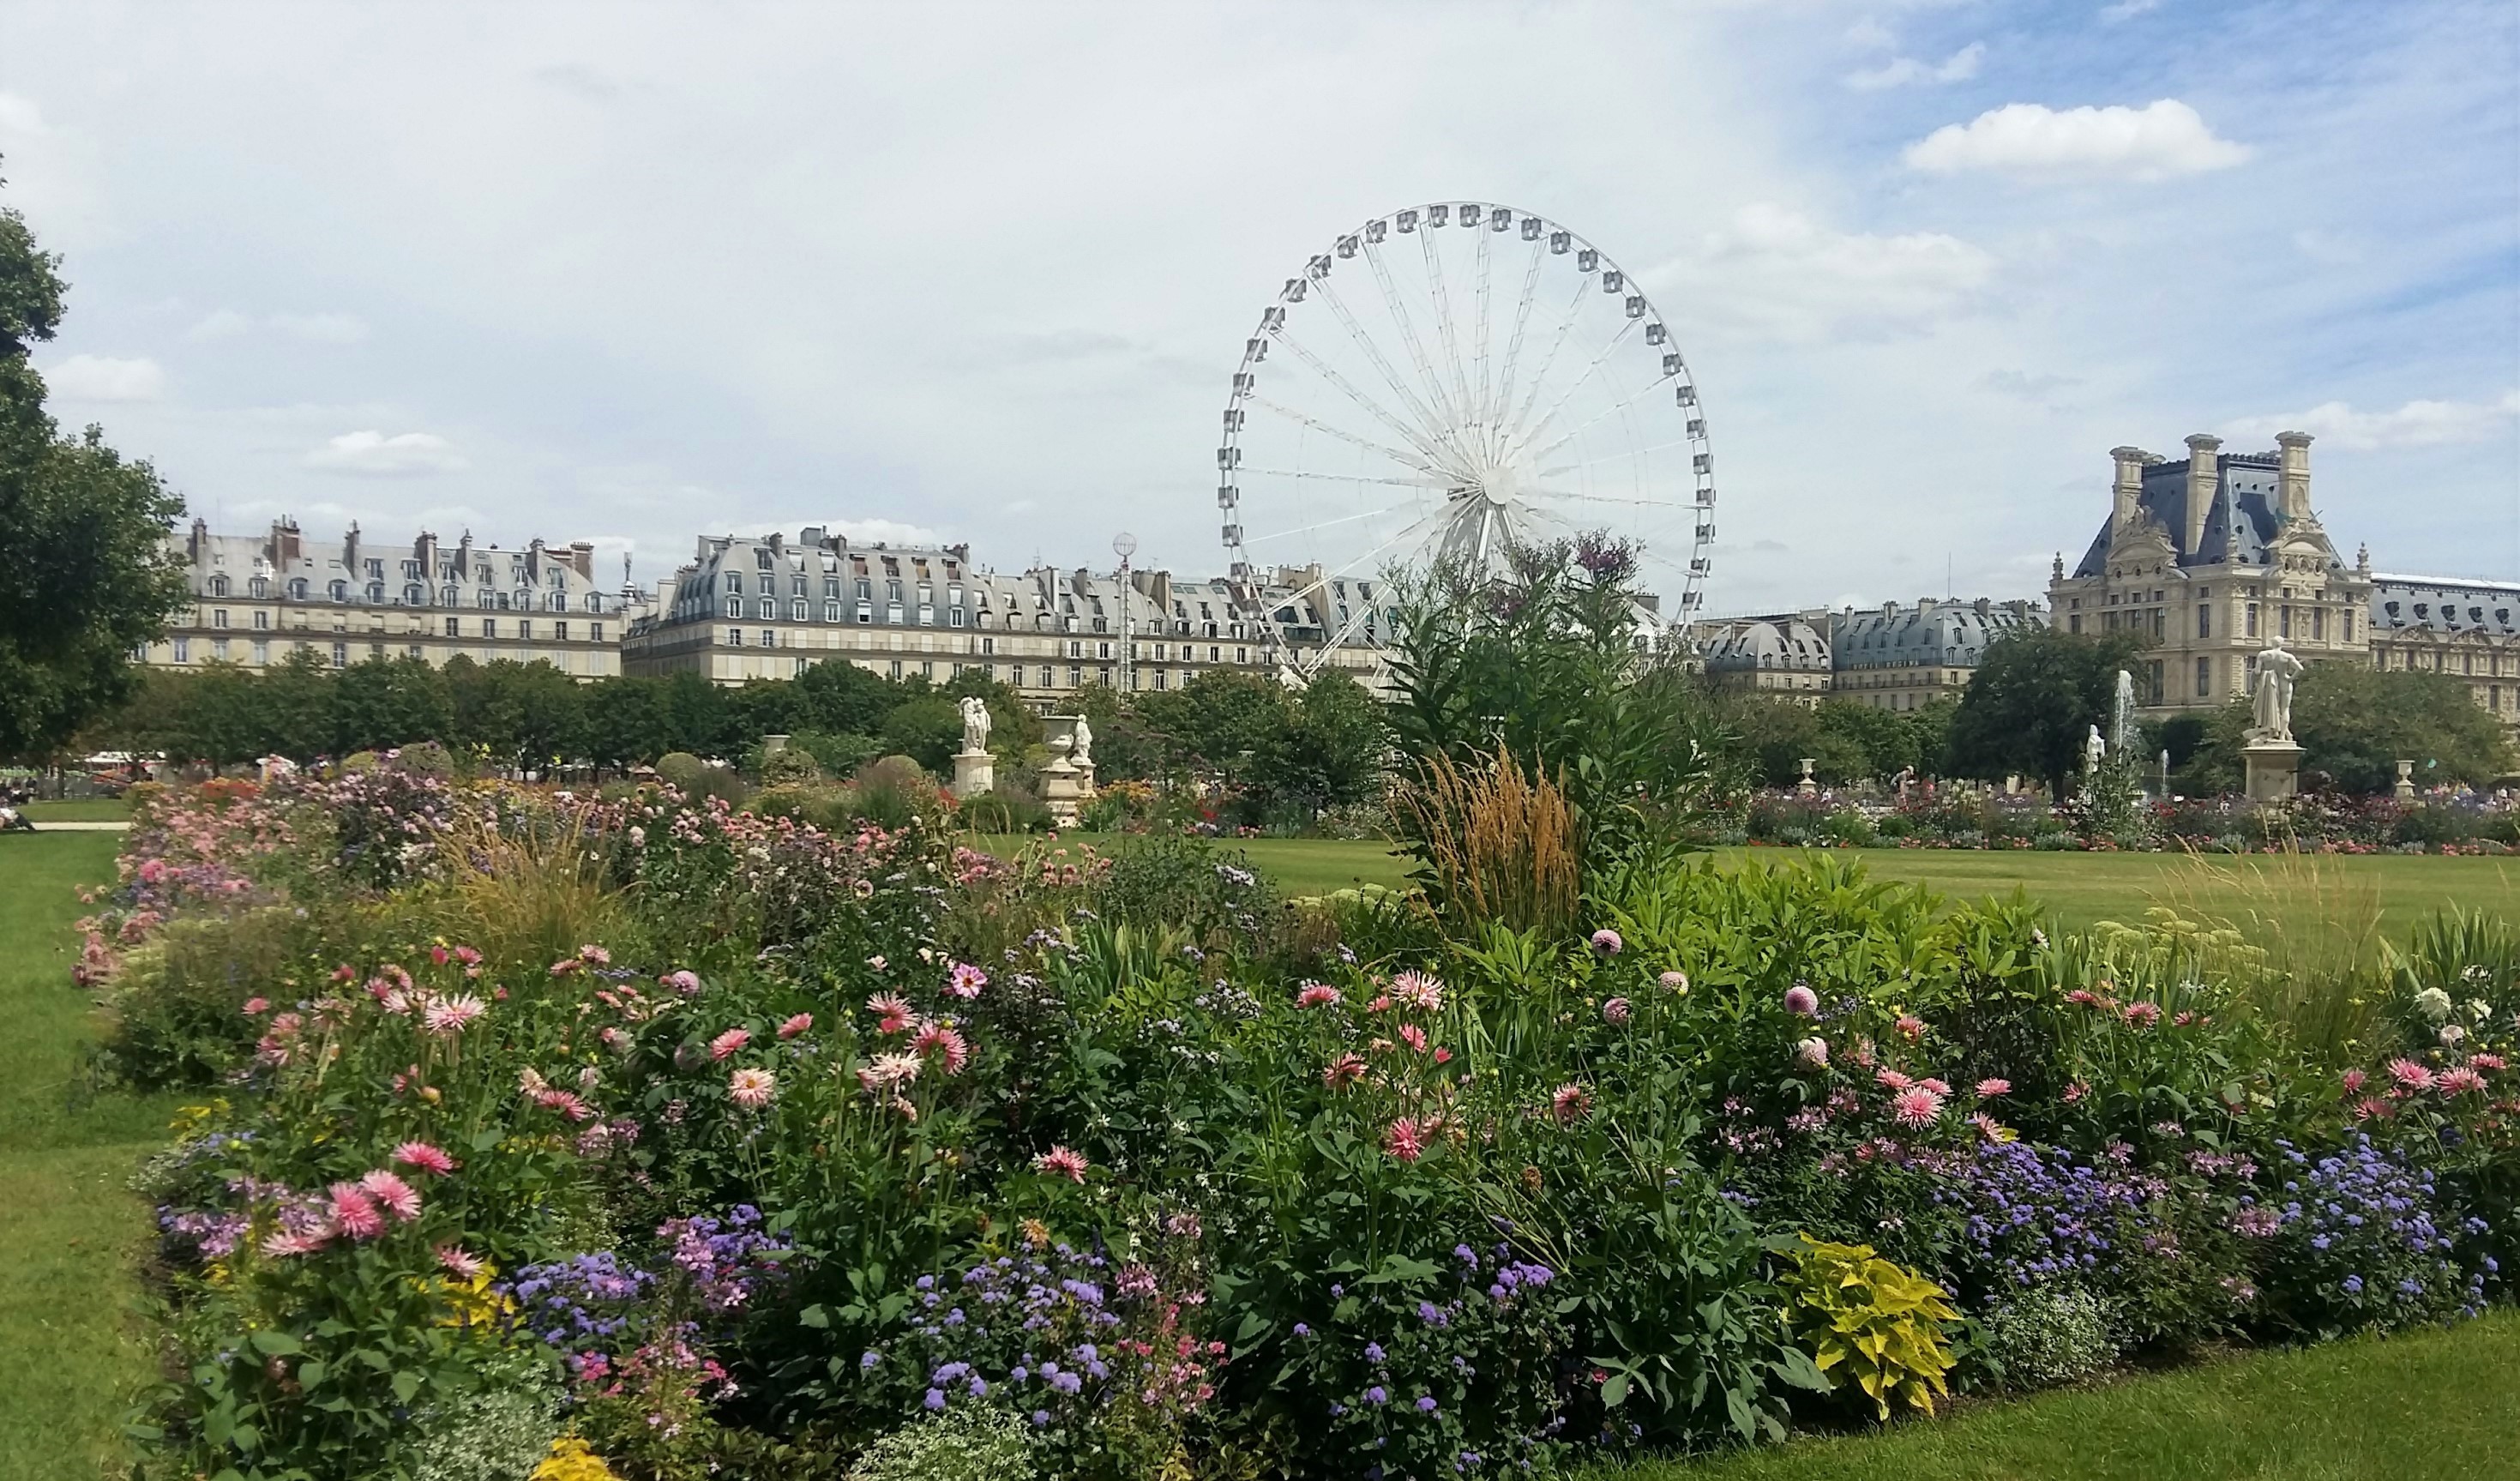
(1425, 1404)
(1607, 942)
(1376, 1395)
(1802, 1002)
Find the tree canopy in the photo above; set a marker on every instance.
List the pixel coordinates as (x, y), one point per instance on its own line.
(2353, 724)
(2035, 697)
(85, 578)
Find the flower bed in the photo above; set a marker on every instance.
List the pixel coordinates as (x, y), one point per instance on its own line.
(650, 1140)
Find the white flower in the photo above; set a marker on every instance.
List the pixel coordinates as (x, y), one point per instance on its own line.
(2433, 1004)
(2451, 1033)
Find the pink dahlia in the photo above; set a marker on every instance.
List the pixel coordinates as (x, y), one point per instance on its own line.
(1677, 982)
(396, 1196)
(1404, 1140)
(424, 1156)
(593, 955)
(2485, 1061)
(255, 1007)
(1802, 1002)
(752, 1089)
(1915, 1107)
(1939, 1087)
(1616, 1010)
(1813, 1051)
(892, 1012)
(1910, 1027)
(459, 1263)
(1414, 1036)
(944, 1041)
(685, 982)
(1993, 1086)
(2354, 1080)
(965, 981)
(2459, 1082)
(2410, 1075)
(289, 1242)
(795, 1025)
(2076, 1092)
(353, 1213)
(1607, 942)
(1316, 995)
(446, 1016)
(1346, 1069)
(1570, 1102)
(1891, 1080)
(886, 1071)
(729, 1042)
(1419, 990)
(2143, 1015)
(1061, 1163)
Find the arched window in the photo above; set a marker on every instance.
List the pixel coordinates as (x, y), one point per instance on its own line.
(557, 602)
(298, 589)
(260, 588)
(413, 596)
(218, 586)
(340, 591)
(376, 593)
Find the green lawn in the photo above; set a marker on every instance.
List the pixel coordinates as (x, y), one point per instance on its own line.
(2435, 1404)
(2079, 887)
(81, 810)
(69, 1354)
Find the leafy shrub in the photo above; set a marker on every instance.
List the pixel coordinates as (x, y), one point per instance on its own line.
(2364, 1242)
(2048, 1336)
(973, 1442)
(1874, 1322)
(498, 1433)
(790, 766)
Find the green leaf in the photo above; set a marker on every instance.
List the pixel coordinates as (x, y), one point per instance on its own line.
(273, 1343)
(488, 1139)
(815, 1317)
(311, 1373)
(1615, 1391)
(406, 1384)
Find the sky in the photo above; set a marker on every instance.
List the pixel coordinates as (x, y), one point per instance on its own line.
(636, 273)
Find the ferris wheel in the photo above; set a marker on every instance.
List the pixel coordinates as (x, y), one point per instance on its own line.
(1447, 383)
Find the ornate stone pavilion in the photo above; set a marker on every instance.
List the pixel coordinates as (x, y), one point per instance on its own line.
(1888, 657)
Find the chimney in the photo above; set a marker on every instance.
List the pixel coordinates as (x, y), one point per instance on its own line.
(2125, 491)
(2296, 475)
(2204, 468)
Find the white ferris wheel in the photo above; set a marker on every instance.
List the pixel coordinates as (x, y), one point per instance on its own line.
(1446, 383)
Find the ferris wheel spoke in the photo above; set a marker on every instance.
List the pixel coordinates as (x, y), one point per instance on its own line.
(1417, 529)
(1342, 435)
(1408, 334)
(1554, 469)
(1580, 381)
(1603, 414)
(1574, 497)
(1444, 324)
(1480, 351)
(1514, 346)
(1288, 473)
(1306, 529)
(1322, 369)
(1433, 424)
(1549, 361)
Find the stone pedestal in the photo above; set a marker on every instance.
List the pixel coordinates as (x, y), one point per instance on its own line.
(975, 774)
(1807, 786)
(1066, 787)
(2406, 782)
(2273, 768)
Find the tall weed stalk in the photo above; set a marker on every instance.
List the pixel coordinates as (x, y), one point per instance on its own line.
(1497, 845)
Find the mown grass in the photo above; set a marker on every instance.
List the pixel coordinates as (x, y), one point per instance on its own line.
(2081, 888)
(70, 1356)
(2433, 1404)
(80, 810)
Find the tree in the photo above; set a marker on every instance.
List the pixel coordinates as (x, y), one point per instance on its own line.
(2034, 700)
(1329, 752)
(2353, 724)
(85, 575)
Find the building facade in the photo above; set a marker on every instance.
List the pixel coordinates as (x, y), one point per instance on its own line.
(1890, 657)
(2469, 629)
(1904, 658)
(256, 599)
(2211, 558)
(771, 608)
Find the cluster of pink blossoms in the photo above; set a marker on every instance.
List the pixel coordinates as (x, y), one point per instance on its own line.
(358, 1210)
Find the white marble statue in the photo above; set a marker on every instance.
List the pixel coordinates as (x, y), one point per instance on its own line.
(976, 725)
(2094, 748)
(1081, 750)
(2271, 694)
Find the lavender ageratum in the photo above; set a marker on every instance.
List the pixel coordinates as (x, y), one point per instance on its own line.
(2033, 1214)
(597, 1305)
(2363, 1242)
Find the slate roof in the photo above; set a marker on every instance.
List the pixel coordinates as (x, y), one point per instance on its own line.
(2240, 523)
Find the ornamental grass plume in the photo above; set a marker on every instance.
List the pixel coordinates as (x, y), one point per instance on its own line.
(1498, 844)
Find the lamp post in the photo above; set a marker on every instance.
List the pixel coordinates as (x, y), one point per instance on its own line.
(1124, 545)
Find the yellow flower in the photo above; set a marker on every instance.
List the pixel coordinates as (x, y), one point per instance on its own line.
(572, 1460)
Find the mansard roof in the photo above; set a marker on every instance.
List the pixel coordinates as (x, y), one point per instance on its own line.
(2244, 518)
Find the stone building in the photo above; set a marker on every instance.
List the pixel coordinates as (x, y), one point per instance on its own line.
(258, 598)
(2210, 558)
(2469, 629)
(1786, 653)
(770, 608)
(1907, 658)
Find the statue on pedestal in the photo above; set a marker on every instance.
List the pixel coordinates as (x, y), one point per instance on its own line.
(1080, 749)
(2271, 694)
(976, 725)
(2094, 748)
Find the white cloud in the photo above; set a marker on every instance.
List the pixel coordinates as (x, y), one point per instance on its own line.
(372, 453)
(2127, 9)
(2023, 385)
(885, 531)
(102, 377)
(1907, 71)
(2417, 424)
(312, 329)
(2163, 138)
(1777, 274)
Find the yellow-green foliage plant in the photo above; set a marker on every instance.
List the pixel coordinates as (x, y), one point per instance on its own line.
(1865, 1318)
